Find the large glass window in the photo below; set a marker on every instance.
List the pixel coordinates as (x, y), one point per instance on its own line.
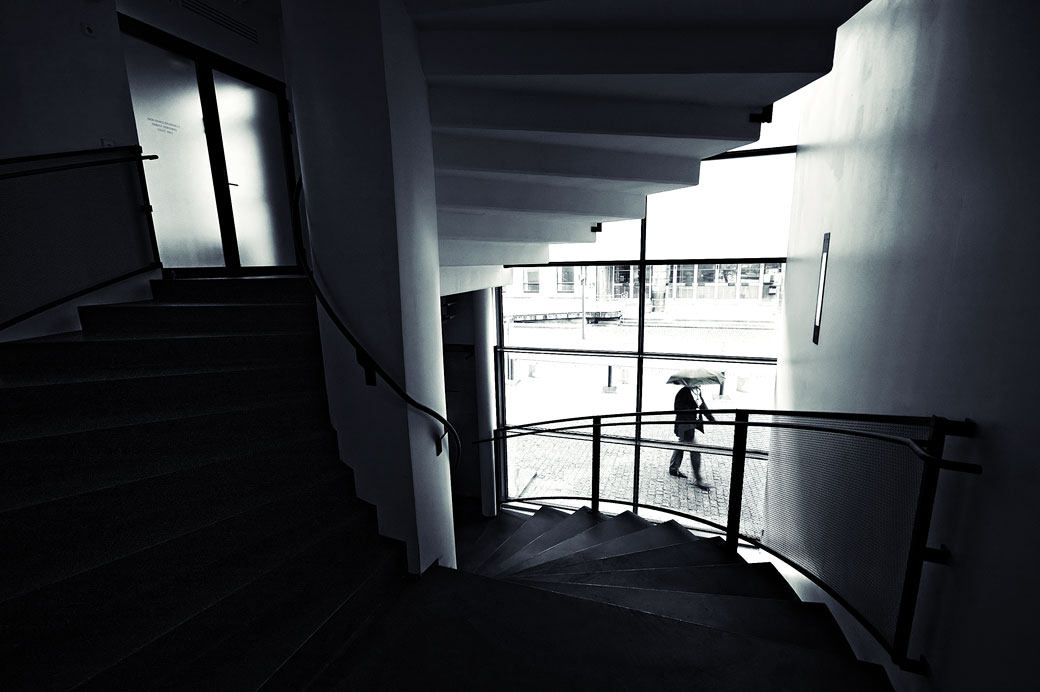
(697, 285)
(593, 315)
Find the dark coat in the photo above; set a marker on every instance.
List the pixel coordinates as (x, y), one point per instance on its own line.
(688, 414)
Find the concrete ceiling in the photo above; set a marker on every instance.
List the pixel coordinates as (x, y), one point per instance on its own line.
(551, 115)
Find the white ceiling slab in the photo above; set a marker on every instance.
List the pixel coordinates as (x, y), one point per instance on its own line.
(461, 192)
(474, 253)
(455, 280)
(634, 52)
(628, 14)
(522, 228)
(453, 108)
(605, 168)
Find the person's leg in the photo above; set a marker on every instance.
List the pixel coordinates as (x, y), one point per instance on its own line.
(695, 462)
(675, 462)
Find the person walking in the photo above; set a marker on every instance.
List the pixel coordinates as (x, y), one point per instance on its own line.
(689, 407)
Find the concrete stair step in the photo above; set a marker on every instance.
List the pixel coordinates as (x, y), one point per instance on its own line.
(53, 541)
(267, 289)
(580, 520)
(710, 551)
(494, 534)
(544, 519)
(229, 424)
(760, 580)
(658, 536)
(310, 573)
(485, 629)
(615, 527)
(808, 625)
(36, 480)
(37, 406)
(79, 356)
(198, 318)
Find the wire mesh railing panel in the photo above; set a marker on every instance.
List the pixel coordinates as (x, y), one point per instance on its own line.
(753, 502)
(760, 437)
(842, 507)
(910, 428)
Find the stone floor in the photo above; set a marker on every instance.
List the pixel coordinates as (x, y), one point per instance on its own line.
(548, 466)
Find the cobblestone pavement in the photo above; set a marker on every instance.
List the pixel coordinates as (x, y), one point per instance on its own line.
(545, 466)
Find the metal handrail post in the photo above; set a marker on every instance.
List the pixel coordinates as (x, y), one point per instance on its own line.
(736, 480)
(597, 423)
(636, 463)
(918, 546)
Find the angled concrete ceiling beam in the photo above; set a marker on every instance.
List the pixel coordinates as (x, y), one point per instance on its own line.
(659, 51)
(500, 156)
(458, 192)
(469, 253)
(527, 228)
(459, 108)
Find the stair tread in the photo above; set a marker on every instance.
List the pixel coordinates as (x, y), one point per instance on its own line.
(580, 520)
(74, 611)
(246, 660)
(805, 624)
(197, 317)
(537, 524)
(657, 536)
(46, 428)
(40, 482)
(81, 337)
(494, 533)
(10, 385)
(230, 611)
(321, 655)
(760, 579)
(475, 627)
(708, 551)
(118, 521)
(607, 530)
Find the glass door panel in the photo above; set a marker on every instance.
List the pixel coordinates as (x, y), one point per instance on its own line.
(251, 129)
(168, 111)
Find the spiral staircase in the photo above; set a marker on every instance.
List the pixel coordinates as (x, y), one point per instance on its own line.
(173, 516)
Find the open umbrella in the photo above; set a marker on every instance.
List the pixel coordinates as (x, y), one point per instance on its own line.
(694, 377)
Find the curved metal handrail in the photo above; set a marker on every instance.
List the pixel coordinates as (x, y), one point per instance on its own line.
(523, 430)
(364, 358)
(859, 417)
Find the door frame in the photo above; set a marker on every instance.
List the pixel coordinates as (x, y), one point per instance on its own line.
(205, 63)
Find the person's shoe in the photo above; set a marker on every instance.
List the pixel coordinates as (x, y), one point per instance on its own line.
(702, 485)
(679, 474)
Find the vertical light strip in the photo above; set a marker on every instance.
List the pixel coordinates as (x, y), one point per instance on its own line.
(819, 290)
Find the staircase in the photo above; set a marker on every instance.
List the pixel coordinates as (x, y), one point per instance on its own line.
(173, 513)
(173, 516)
(583, 600)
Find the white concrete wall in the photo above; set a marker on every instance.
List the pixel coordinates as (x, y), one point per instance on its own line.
(918, 155)
(367, 168)
(419, 276)
(63, 78)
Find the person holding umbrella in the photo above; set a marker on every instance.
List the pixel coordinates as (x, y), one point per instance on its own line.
(690, 407)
